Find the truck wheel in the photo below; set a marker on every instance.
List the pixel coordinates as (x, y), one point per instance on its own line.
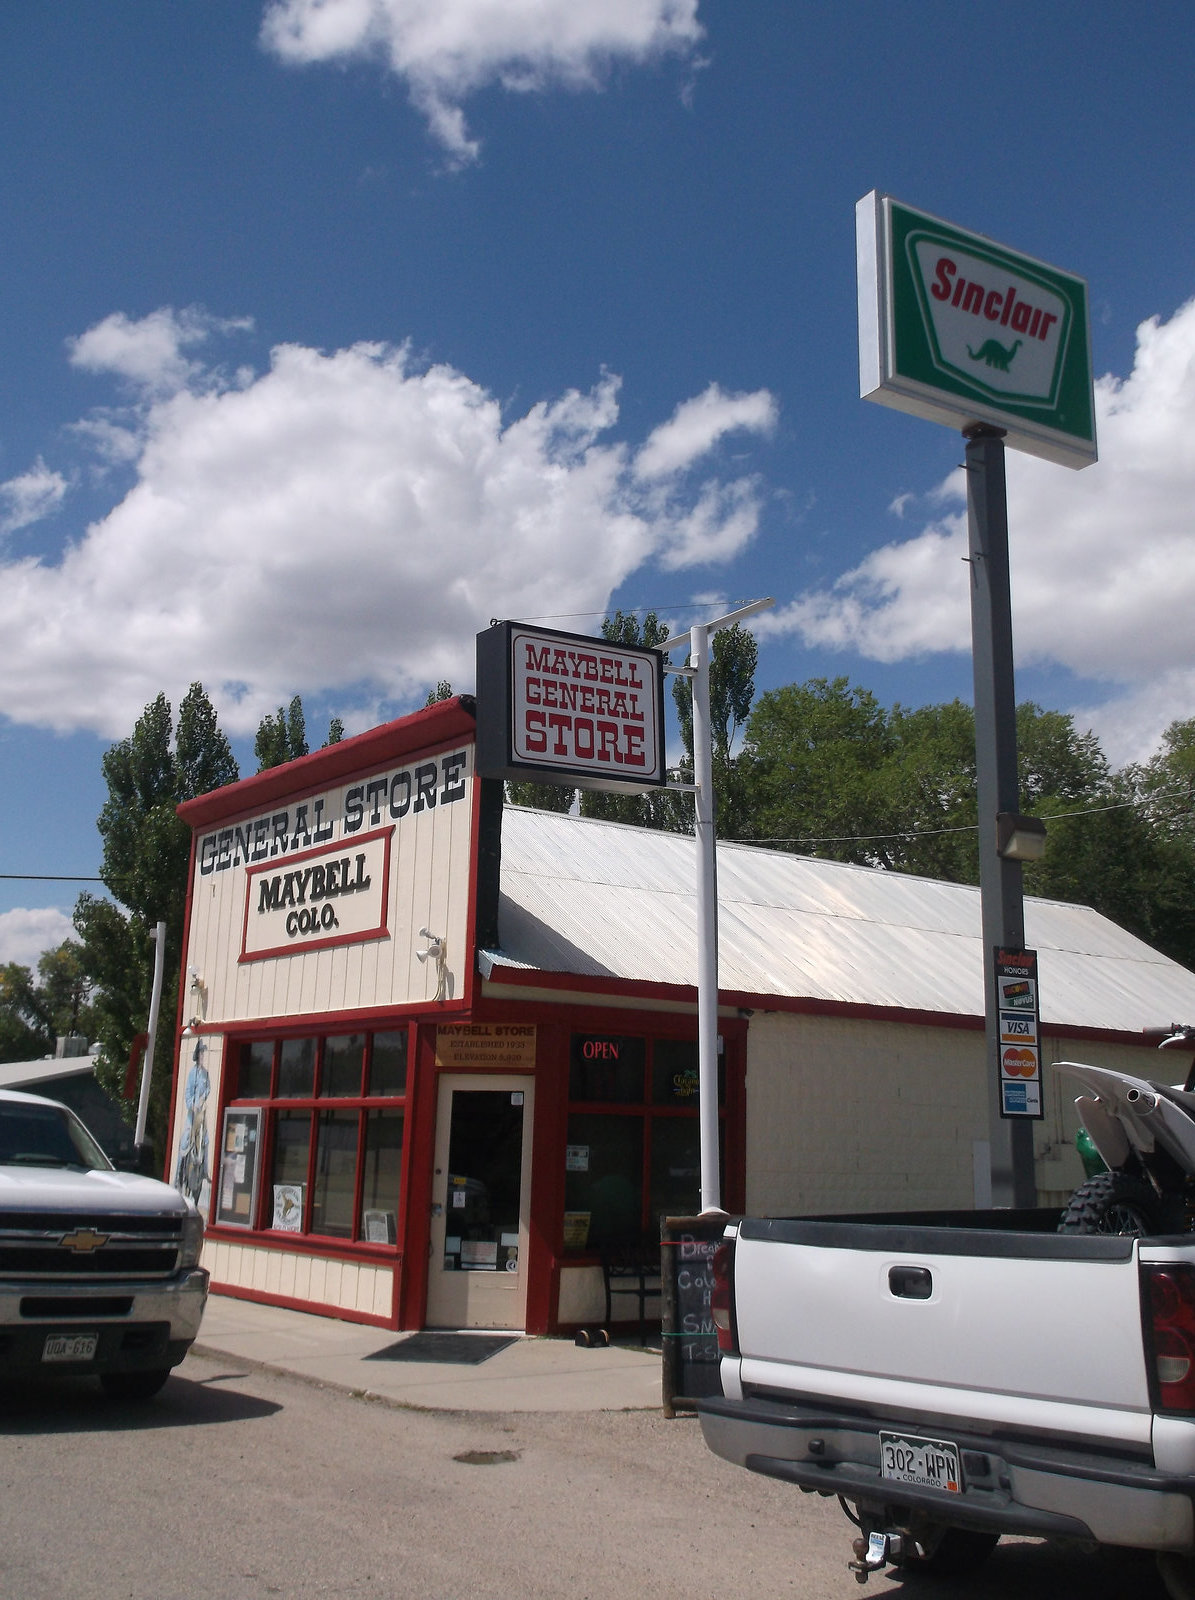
(1112, 1202)
(1178, 1574)
(958, 1552)
(134, 1385)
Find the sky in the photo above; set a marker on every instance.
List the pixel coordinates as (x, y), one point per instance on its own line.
(331, 330)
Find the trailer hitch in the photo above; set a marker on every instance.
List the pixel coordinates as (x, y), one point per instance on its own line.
(874, 1553)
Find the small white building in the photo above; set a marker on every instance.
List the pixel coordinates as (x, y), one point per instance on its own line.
(435, 1054)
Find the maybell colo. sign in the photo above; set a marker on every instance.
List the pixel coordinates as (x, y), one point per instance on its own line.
(960, 330)
(567, 708)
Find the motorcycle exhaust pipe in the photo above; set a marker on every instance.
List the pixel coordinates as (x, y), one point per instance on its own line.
(1141, 1102)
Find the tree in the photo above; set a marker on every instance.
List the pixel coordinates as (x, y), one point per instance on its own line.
(814, 768)
(650, 808)
(335, 733)
(733, 660)
(282, 737)
(26, 1029)
(442, 691)
(145, 857)
(65, 990)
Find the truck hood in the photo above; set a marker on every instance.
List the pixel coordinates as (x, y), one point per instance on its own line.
(61, 1189)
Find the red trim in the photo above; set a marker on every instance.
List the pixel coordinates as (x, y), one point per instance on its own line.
(575, 983)
(471, 980)
(297, 1025)
(319, 1308)
(444, 723)
(382, 931)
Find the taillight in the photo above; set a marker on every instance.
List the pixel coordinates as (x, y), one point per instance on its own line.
(1171, 1304)
(722, 1298)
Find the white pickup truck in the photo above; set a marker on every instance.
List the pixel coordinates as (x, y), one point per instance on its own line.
(954, 1378)
(99, 1269)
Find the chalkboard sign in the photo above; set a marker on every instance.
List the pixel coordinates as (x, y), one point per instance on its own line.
(690, 1340)
(240, 1146)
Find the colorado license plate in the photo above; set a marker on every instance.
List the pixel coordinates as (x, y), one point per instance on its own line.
(929, 1463)
(70, 1346)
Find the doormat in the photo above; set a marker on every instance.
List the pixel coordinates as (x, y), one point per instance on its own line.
(454, 1349)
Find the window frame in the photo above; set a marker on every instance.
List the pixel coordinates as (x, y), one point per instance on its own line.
(648, 1111)
(315, 1106)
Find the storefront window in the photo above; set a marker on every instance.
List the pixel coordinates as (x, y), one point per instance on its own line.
(633, 1149)
(388, 1064)
(296, 1069)
(334, 1173)
(343, 1062)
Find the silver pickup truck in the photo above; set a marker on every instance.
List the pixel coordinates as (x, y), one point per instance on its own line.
(952, 1379)
(99, 1269)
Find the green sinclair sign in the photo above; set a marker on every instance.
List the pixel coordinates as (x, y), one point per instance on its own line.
(957, 329)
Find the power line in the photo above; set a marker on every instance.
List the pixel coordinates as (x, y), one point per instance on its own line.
(971, 827)
(48, 877)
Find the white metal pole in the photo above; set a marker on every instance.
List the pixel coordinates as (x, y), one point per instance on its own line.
(698, 640)
(154, 1005)
(707, 921)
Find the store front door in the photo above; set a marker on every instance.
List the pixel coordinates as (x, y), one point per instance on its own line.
(481, 1191)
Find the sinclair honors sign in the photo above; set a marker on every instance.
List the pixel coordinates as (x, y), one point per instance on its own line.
(958, 329)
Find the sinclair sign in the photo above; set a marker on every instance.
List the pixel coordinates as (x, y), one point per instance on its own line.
(960, 330)
(570, 709)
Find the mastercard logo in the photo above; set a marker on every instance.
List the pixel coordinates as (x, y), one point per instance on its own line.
(1019, 1064)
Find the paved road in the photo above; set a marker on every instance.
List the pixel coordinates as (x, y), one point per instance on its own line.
(237, 1485)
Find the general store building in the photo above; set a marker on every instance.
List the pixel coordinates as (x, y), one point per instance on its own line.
(434, 1054)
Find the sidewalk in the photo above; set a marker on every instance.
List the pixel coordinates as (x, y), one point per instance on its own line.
(529, 1375)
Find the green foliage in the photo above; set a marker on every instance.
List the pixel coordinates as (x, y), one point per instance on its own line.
(26, 1027)
(282, 737)
(65, 990)
(146, 853)
(335, 732)
(651, 808)
(815, 771)
(442, 691)
(541, 796)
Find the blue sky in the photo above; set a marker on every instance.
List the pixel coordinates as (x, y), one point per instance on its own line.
(331, 329)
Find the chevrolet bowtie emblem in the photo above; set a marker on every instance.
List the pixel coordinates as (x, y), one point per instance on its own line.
(83, 1240)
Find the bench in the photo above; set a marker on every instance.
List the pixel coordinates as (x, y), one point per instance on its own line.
(631, 1269)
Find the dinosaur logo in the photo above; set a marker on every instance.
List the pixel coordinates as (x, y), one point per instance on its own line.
(995, 354)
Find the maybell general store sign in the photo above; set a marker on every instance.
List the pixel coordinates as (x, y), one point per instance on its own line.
(960, 330)
(567, 708)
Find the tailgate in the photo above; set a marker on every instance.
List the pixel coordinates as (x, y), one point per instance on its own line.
(1009, 1329)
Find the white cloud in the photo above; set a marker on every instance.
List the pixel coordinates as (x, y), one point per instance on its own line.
(446, 49)
(697, 425)
(30, 497)
(26, 935)
(1103, 560)
(343, 522)
(148, 352)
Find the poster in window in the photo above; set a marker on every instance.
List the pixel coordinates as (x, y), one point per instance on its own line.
(288, 1207)
(240, 1146)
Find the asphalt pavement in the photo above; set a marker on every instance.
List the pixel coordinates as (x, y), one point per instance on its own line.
(528, 1374)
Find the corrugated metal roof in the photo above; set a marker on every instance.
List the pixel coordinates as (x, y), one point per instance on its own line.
(602, 899)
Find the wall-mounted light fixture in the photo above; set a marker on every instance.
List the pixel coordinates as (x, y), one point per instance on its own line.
(435, 949)
(1020, 838)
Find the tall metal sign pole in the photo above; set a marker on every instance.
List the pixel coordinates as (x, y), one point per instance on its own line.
(997, 785)
(699, 639)
(960, 330)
